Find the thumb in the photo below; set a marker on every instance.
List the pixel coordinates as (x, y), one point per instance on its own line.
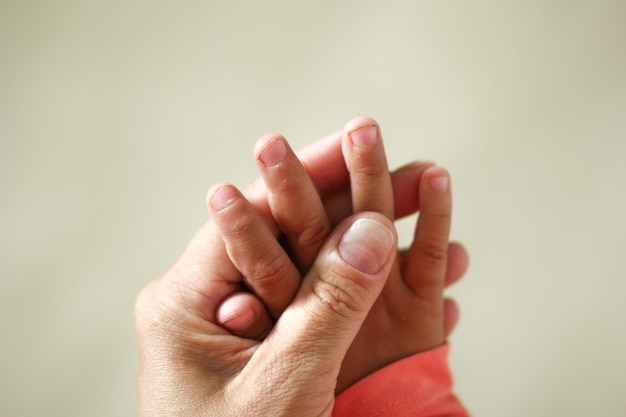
(337, 293)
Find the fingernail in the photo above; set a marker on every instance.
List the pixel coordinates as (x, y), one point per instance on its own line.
(366, 245)
(364, 136)
(274, 152)
(236, 319)
(439, 184)
(223, 197)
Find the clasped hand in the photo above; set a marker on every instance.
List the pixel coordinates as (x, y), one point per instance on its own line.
(295, 289)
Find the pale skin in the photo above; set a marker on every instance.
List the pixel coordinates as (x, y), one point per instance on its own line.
(211, 347)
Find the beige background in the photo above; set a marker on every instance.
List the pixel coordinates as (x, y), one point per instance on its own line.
(117, 118)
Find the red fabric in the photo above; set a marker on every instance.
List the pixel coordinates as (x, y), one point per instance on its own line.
(417, 386)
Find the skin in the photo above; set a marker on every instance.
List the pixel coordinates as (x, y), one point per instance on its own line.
(192, 366)
(238, 315)
(411, 314)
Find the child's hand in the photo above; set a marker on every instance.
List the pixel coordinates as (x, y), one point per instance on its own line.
(410, 315)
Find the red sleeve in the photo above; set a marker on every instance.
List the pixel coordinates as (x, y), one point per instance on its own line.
(417, 386)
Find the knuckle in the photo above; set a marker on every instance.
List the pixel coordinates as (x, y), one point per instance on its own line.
(435, 251)
(343, 300)
(289, 181)
(243, 225)
(440, 214)
(313, 233)
(369, 162)
(270, 270)
(368, 169)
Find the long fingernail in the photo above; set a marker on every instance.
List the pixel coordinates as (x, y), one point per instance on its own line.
(274, 152)
(364, 136)
(366, 245)
(223, 197)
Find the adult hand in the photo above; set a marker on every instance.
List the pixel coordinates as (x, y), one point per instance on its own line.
(192, 366)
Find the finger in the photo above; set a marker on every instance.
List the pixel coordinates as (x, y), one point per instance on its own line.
(323, 162)
(450, 316)
(244, 315)
(457, 263)
(425, 266)
(337, 294)
(405, 184)
(364, 153)
(266, 268)
(293, 200)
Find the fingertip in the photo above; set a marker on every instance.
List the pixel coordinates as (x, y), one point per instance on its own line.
(460, 249)
(457, 263)
(263, 142)
(359, 122)
(450, 316)
(438, 179)
(220, 196)
(273, 150)
(363, 132)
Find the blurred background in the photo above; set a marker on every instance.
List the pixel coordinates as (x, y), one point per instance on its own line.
(117, 117)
